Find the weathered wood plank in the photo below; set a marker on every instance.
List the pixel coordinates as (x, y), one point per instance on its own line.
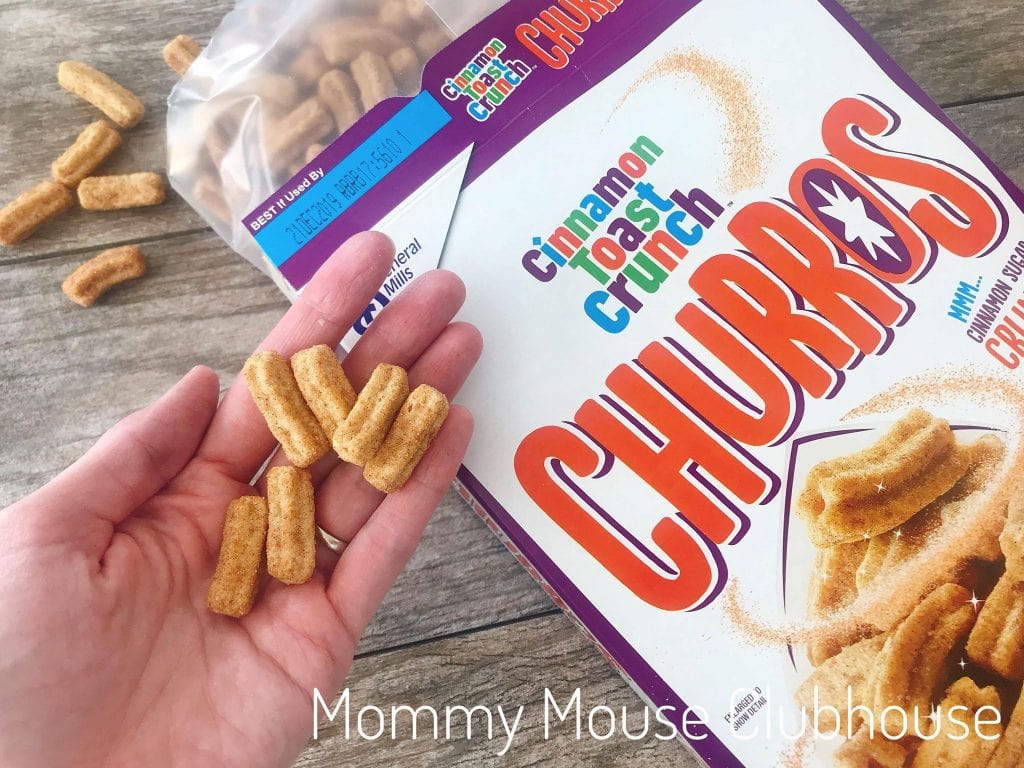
(511, 666)
(38, 119)
(959, 51)
(68, 374)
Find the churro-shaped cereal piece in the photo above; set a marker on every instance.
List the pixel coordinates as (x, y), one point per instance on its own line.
(90, 281)
(339, 92)
(845, 674)
(112, 99)
(306, 124)
(867, 750)
(180, 53)
(394, 14)
(324, 385)
(1011, 746)
(291, 536)
(360, 435)
(233, 589)
(344, 41)
(130, 190)
(93, 146)
(208, 192)
(997, 640)
(832, 588)
(405, 68)
(276, 393)
(373, 76)
(1011, 540)
(889, 550)
(308, 66)
(278, 93)
(411, 434)
(31, 209)
(418, 10)
(313, 152)
(431, 41)
(877, 489)
(951, 749)
(914, 658)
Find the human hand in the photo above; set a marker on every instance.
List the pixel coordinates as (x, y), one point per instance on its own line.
(108, 654)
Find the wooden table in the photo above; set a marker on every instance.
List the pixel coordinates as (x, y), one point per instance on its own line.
(464, 625)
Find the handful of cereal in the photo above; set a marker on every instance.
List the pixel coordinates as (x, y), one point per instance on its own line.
(309, 404)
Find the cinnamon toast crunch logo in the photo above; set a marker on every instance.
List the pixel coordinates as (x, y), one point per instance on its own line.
(486, 81)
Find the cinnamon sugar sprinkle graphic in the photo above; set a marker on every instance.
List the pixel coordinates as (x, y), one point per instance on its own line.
(732, 92)
(981, 519)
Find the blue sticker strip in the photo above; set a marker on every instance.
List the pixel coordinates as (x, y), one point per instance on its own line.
(301, 214)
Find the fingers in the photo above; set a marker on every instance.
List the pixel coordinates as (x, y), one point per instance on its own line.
(400, 335)
(379, 552)
(407, 326)
(239, 441)
(137, 457)
(345, 500)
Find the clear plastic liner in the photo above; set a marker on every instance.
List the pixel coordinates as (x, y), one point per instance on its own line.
(279, 81)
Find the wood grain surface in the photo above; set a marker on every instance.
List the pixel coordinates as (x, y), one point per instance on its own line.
(464, 624)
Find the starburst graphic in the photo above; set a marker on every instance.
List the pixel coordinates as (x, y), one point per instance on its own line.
(899, 533)
(975, 601)
(881, 487)
(858, 226)
(962, 664)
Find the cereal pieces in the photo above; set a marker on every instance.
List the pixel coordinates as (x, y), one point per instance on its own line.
(114, 100)
(291, 535)
(431, 41)
(875, 490)
(130, 190)
(276, 393)
(236, 579)
(90, 281)
(339, 92)
(374, 79)
(1011, 746)
(841, 680)
(31, 209)
(867, 750)
(324, 385)
(1012, 538)
(915, 656)
(180, 53)
(405, 68)
(93, 146)
(360, 436)
(308, 67)
(997, 640)
(412, 432)
(951, 749)
(344, 40)
(278, 93)
(833, 587)
(306, 124)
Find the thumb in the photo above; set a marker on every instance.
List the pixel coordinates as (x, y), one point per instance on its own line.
(134, 459)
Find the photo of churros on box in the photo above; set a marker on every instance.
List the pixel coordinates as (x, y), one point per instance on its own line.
(958, 646)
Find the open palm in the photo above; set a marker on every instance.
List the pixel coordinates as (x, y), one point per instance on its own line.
(108, 655)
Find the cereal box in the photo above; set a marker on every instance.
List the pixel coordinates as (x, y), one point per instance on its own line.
(750, 404)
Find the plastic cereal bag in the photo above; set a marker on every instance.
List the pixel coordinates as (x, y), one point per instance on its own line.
(280, 81)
